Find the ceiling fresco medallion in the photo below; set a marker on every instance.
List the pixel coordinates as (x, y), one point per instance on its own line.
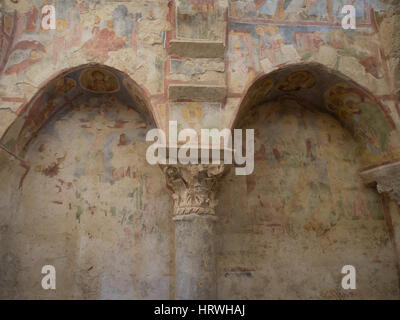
(99, 80)
(343, 100)
(296, 81)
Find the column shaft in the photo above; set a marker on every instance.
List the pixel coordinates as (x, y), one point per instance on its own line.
(193, 189)
(195, 257)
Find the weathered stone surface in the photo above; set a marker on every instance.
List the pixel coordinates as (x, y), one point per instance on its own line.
(196, 92)
(194, 187)
(196, 49)
(206, 71)
(195, 264)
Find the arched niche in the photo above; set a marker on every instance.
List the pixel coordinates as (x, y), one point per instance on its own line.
(326, 90)
(286, 230)
(68, 88)
(83, 194)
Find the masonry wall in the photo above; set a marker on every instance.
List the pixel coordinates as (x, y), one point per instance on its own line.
(78, 193)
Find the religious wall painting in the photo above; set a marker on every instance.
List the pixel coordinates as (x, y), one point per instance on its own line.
(308, 42)
(374, 125)
(24, 54)
(103, 41)
(196, 115)
(72, 32)
(70, 92)
(8, 24)
(322, 11)
(68, 33)
(114, 34)
(97, 160)
(116, 129)
(99, 80)
(300, 174)
(134, 92)
(31, 20)
(61, 39)
(296, 81)
(343, 100)
(202, 13)
(262, 46)
(269, 43)
(242, 62)
(360, 114)
(126, 24)
(259, 91)
(64, 85)
(42, 110)
(357, 110)
(270, 39)
(192, 113)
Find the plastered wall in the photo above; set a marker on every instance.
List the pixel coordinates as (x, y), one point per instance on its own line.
(87, 206)
(77, 192)
(287, 230)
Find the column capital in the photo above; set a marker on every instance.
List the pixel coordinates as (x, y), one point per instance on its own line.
(387, 179)
(193, 187)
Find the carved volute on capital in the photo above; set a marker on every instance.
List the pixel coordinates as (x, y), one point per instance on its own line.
(387, 179)
(193, 187)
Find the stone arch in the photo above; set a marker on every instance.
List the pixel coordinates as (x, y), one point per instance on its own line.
(66, 87)
(305, 189)
(329, 91)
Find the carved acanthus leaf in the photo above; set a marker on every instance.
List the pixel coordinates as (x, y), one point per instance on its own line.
(387, 179)
(193, 187)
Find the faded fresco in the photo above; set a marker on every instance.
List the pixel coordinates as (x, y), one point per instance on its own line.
(196, 116)
(86, 31)
(266, 34)
(368, 120)
(99, 81)
(207, 15)
(76, 103)
(91, 191)
(303, 211)
(106, 86)
(302, 10)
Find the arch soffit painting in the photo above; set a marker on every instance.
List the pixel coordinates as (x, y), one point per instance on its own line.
(325, 90)
(71, 87)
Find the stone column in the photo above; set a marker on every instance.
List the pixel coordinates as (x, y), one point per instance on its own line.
(193, 188)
